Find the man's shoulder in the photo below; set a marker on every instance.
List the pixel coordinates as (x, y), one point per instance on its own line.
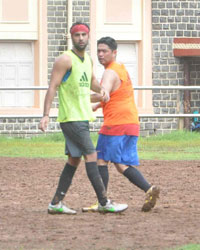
(88, 57)
(63, 58)
(117, 65)
(86, 54)
(66, 55)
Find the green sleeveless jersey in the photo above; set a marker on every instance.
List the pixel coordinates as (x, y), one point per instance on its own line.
(74, 91)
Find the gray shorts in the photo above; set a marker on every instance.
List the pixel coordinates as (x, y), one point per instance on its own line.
(77, 138)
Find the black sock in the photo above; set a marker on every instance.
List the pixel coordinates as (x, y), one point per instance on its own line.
(64, 183)
(96, 181)
(103, 170)
(136, 178)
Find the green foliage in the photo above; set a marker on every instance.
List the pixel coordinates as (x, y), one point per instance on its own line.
(188, 247)
(45, 146)
(178, 145)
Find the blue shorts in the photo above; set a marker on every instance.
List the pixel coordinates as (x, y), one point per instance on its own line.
(120, 149)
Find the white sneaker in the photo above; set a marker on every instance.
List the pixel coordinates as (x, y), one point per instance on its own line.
(112, 207)
(60, 209)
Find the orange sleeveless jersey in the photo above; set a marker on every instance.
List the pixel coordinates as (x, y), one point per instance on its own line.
(121, 108)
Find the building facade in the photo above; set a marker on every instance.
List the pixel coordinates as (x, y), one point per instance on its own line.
(31, 39)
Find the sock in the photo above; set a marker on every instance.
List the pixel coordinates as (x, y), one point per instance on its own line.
(103, 170)
(64, 183)
(96, 181)
(136, 178)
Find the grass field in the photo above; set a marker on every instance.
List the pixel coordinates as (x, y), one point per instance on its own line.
(188, 247)
(179, 145)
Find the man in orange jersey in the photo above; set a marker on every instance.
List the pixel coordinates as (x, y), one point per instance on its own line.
(117, 142)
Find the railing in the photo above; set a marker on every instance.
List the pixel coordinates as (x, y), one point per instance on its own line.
(180, 88)
(135, 88)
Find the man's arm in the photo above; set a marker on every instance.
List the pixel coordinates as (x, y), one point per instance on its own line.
(96, 106)
(110, 81)
(100, 91)
(95, 86)
(95, 97)
(60, 67)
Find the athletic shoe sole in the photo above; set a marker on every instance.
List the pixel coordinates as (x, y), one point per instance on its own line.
(151, 198)
(112, 211)
(53, 212)
(92, 209)
(88, 209)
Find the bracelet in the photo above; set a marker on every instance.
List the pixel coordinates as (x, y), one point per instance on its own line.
(45, 115)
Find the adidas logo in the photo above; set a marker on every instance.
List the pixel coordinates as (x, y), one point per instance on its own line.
(84, 78)
(84, 81)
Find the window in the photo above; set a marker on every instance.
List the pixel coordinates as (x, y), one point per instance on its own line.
(16, 70)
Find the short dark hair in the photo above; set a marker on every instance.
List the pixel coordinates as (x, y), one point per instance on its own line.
(77, 23)
(108, 41)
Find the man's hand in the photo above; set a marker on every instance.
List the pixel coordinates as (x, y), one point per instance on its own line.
(105, 95)
(96, 106)
(43, 123)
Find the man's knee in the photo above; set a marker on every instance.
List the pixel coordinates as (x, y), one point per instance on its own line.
(120, 168)
(91, 157)
(101, 162)
(74, 161)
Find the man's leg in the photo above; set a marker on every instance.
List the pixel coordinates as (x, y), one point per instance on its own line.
(65, 179)
(64, 183)
(103, 170)
(104, 205)
(95, 177)
(135, 177)
(79, 142)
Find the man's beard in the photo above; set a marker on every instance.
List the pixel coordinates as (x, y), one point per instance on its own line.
(80, 48)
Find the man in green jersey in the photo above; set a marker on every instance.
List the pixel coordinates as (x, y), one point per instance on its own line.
(72, 75)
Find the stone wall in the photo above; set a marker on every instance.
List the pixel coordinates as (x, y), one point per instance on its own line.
(57, 30)
(25, 127)
(171, 19)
